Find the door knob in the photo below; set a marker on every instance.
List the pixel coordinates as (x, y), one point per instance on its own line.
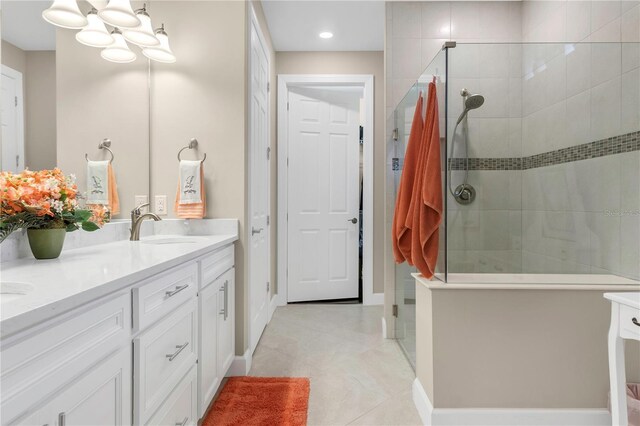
(354, 220)
(255, 231)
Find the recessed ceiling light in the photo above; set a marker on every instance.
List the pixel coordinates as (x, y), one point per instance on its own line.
(325, 34)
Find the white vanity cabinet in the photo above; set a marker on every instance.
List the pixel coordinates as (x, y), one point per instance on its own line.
(154, 352)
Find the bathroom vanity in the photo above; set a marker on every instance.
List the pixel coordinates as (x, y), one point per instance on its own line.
(121, 333)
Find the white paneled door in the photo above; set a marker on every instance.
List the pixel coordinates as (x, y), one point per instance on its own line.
(259, 256)
(323, 193)
(12, 121)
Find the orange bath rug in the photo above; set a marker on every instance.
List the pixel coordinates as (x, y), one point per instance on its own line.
(261, 401)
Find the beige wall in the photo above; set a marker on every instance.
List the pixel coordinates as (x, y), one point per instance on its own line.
(203, 95)
(354, 63)
(516, 348)
(98, 99)
(40, 105)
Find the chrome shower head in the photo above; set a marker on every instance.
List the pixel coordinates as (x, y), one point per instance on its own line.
(471, 102)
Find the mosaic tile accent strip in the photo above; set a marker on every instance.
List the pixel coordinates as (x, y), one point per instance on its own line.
(614, 145)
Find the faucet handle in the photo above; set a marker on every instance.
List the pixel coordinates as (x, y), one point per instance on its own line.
(137, 210)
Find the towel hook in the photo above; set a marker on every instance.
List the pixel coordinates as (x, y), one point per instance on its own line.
(193, 144)
(105, 144)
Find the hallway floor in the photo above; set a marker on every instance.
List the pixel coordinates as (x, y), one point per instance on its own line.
(357, 377)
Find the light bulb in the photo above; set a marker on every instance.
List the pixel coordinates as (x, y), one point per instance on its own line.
(65, 14)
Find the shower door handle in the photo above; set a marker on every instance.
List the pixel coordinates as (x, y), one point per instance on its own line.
(354, 220)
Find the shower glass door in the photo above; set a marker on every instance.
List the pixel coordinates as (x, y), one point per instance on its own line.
(400, 126)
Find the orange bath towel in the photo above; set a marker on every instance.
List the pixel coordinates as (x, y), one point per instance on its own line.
(192, 210)
(402, 220)
(114, 201)
(427, 193)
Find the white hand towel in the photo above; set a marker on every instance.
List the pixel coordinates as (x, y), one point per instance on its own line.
(98, 182)
(190, 188)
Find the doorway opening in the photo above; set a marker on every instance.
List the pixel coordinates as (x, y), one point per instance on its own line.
(325, 188)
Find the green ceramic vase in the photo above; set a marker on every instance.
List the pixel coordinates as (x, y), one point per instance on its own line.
(46, 243)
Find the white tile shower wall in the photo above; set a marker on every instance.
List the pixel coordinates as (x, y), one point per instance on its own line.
(415, 33)
(581, 217)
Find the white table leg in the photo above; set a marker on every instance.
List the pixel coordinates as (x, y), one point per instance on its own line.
(617, 376)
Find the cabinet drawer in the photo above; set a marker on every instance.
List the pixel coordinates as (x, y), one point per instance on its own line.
(162, 356)
(628, 327)
(215, 264)
(157, 296)
(180, 406)
(58, 351)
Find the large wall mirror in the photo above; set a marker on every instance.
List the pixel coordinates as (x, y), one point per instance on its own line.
(61, 99)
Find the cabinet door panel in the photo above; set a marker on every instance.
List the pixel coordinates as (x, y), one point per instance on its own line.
(180, 407)
(162, 356)
(100, 397)
(226, 331)
(208, 359)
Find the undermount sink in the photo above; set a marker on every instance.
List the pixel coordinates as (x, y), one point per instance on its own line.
(172, 240)
(13, 290)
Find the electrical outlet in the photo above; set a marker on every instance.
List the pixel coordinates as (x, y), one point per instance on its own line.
(142, 199)
(161, 205)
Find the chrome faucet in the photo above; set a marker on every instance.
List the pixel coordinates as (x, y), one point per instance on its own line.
(136, 221)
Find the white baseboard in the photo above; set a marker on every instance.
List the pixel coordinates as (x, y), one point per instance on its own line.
(384, 327)
(504, 416)
(272, 307)
(422, 403)
(373, 299)
(241, 365)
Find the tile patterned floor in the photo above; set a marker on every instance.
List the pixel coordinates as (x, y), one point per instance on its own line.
(357, 377)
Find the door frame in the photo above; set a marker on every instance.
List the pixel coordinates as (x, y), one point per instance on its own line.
(253, 22)
(285, 83)
(17, 75)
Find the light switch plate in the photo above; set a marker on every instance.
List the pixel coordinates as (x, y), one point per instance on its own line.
(160, 207)
(142, 199)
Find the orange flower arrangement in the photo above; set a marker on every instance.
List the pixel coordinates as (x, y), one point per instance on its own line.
(44, 199)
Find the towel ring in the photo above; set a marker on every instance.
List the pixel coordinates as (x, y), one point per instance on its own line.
(105, 144)
(193, 144)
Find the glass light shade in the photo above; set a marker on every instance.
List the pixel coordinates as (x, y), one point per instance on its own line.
(118, 51)
(118, 13)
(65, 14)
(161, 53)
(95, 34)
(142, 35)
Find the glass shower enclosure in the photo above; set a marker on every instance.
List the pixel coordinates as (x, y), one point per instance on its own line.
(540, 172)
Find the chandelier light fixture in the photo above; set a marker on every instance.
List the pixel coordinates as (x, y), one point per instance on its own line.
(128, 26)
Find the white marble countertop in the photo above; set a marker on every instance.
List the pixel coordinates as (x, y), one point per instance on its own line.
(84, 274)
(629, 299)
